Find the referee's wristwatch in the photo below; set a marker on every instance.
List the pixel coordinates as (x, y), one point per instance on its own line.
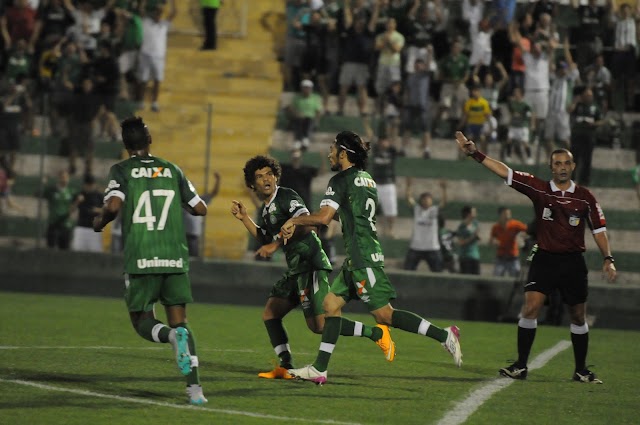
(610, 258)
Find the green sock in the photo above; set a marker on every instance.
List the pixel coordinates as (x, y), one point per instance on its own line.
(411, 322)
(353, 328)
(330, 334)
(279, 341)
(193, 378)
(153, 330)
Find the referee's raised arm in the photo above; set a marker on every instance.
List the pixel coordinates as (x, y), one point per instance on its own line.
(470, 149)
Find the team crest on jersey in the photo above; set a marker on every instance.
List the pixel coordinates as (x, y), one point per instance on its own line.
(150, 172)
(272, 208)
(329, 191)
(293, 205)
(574, 220)
(273, 219)
(546, 214)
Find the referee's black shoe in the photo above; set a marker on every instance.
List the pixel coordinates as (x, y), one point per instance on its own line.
(515, 371)
(586, 376)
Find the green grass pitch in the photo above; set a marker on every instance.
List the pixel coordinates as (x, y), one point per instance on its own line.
(87, 347)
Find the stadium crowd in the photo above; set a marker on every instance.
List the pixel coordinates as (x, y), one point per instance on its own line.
(422, 59)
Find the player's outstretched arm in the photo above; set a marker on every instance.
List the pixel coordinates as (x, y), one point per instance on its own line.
(239, 211)
(321, 217)
(469, 148)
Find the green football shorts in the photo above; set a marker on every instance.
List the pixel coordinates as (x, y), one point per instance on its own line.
(307, 289)
(371, 285)
(142, 291)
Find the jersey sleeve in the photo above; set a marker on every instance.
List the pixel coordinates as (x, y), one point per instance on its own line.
(334, 196)
(525, 183)
(188, 193)
(295, 206)
(117, 185)
(597, 222)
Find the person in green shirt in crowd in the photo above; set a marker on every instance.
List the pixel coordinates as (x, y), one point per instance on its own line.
(209, 12)
(60, 200)
(304, 111)
(468, 238)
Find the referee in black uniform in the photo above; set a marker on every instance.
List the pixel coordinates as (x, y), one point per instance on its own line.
(562, 210)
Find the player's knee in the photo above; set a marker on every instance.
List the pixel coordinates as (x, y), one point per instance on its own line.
(330, 305)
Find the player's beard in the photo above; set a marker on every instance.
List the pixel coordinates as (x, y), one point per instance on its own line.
(335, 167)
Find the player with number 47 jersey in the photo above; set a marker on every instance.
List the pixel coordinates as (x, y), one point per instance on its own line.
(149, 193)
(153, 191)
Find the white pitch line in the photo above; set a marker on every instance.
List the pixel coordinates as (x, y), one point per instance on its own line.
(465, 408)
(170, 405)
(108, 347)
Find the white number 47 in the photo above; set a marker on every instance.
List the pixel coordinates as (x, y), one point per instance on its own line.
(143, 212)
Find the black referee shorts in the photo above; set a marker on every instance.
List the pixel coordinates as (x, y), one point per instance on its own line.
(565, 272)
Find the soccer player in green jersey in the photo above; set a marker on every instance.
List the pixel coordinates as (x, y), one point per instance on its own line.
(306, 281)
(150, 194)
(353, 195)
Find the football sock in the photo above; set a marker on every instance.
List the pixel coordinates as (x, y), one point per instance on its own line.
(330, 334)
(411, 322)
(279, 341)
(193, 378)
(153, 330)
(353, 328)
(580, 340)
(526, 335)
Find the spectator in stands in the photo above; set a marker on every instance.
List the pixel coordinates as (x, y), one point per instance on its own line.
(389, 44)
(209, 13)
(15, 119)
(540, 7)
(472, 14)
(446, 237)
(304, 112)
(194, 225)
(18, 23)
(545, 31)
(393, 108)
(417, 108)
(420, 36)
(384, 174)
(129, 24)
(84, 111)
(481, 47)
(587, 117)
(589, 34)
(68, 76)
(153, 52)
(537, 62)
(522, 121)
(89, 202)
(467, 241)
(557, 125)
(425, 238)
(624, 66)
(453, 72)
(504, 235)
(314, 59)
(106, 75)
(476, 114)
(7, 179)
(19, 61)
(521, 43)
(52, 21)
(598, 79)
(87, 20)
(294, 41)
(60, 200)
(357, 51)
(297, 176)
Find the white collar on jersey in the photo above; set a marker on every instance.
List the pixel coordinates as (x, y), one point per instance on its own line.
(555, 188)
(275, 192)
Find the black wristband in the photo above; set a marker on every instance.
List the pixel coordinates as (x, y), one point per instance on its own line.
(610, 258)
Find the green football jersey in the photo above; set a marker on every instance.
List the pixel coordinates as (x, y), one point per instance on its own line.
(153, 191)
(303, 255)
(354, 195)
(520, 114)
